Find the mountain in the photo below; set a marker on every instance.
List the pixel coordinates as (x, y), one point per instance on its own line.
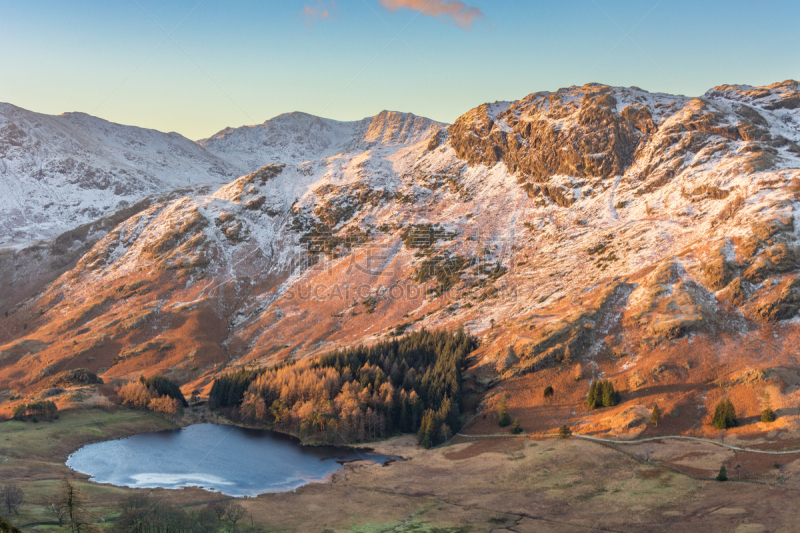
(590, 232)
(59, 172)
(68, 170)
(299, 137)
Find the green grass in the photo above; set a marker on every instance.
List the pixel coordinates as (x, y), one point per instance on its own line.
(32, 455)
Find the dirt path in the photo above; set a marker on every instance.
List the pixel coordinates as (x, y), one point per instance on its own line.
(640, 441)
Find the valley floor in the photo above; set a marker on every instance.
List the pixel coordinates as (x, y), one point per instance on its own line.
(491, 484)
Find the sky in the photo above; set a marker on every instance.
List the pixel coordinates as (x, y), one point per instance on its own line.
(198, 66)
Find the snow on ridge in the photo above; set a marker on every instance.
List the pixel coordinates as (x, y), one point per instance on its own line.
(61, 171)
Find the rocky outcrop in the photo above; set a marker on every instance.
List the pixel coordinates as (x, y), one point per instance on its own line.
(576, 131)
(70, 378)
(779, 302)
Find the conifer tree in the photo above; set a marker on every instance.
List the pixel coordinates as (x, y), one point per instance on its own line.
(591, 397)
(516, 429)
(564, 432)
(767, 415)
(503, 418)
(655, 416)
(427, 430)
(723, 474)
(610, 397)
(724, 414)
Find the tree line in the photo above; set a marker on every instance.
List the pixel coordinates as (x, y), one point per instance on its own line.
(407, 385)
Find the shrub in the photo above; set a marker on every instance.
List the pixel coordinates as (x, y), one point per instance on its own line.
(724, 415)
(548, 393)
(564, 432)
(516, 428)
(723, 474)
(768, 416)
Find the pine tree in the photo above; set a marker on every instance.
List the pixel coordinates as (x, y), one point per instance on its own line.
(610, 397)
(503, 419)
(564, 432)
(591, 397)
(516, 429)
(724, 414)
(767, 415)
(723, 474)
(655, 416)
(427, 430)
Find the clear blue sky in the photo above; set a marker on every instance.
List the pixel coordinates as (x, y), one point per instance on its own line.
(242, 62)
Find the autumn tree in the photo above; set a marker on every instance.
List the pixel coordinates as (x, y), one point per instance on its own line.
(655, 416)
(516, 429)
(503, 418)
(360, 393)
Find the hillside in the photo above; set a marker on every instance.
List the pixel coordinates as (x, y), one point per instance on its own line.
(591, 232)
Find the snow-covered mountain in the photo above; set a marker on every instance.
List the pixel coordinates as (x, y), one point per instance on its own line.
(299, 137)
(58, 172)
(640, 236)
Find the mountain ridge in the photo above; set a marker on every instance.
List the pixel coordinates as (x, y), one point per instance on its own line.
(602, 229)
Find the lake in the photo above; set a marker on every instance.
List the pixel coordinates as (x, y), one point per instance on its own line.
(228, 459)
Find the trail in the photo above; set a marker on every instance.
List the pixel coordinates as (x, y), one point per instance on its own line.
(640, 441)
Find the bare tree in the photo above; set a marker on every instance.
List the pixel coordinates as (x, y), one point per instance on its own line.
(220, 508)
(11, 497)
(57, 510)
(235, 513)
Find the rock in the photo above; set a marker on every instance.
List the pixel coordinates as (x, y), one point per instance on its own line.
(781, 302)
(748, 377)
(508, 361)
(717, 273)
(635, 381)
(733, 294)
(658, 369)
(529, 139)
(79, 376)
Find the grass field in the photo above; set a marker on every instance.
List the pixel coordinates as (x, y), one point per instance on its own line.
(33, 455)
